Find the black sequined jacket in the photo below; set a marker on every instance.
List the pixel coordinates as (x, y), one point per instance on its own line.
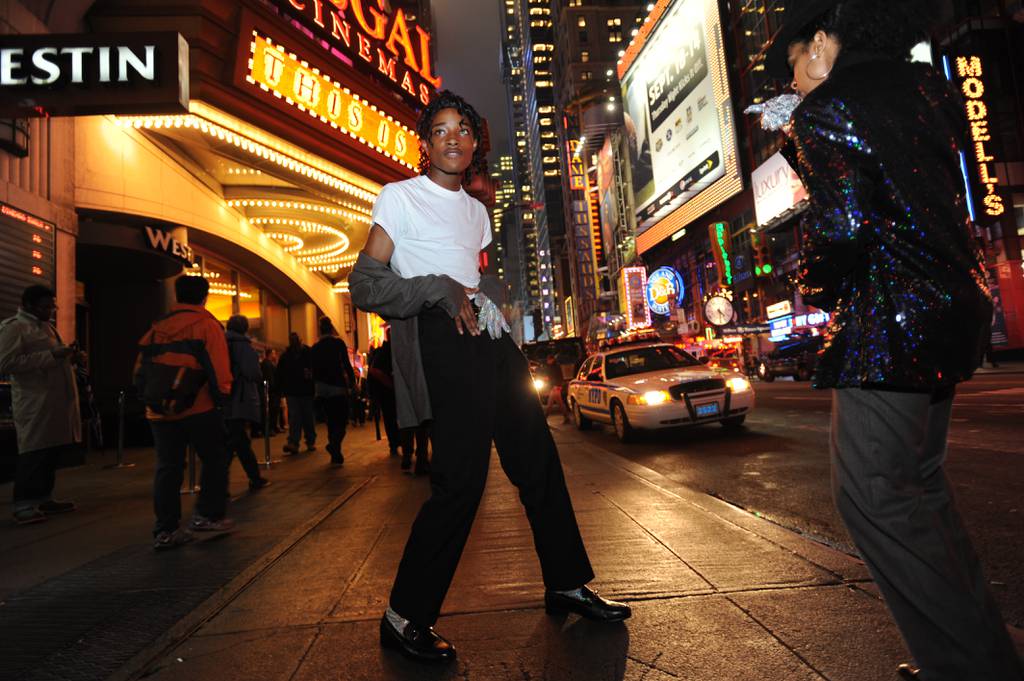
(888, 244)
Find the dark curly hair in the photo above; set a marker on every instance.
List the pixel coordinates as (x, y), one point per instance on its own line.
(887, 27)
(446, 99)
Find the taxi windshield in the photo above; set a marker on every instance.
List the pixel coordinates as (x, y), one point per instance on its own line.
(643, 360)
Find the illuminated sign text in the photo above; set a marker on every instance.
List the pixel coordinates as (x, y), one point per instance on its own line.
(969, 71)
(293, 80)
(366, 31)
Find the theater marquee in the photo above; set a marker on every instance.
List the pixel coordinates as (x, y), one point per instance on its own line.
(277, 71)
(385, 41)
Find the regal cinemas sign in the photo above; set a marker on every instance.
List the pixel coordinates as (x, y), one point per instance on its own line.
(368, 31)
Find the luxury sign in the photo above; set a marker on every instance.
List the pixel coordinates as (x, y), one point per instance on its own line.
(282, 73)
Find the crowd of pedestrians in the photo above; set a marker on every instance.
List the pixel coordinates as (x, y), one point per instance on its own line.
(204, 387)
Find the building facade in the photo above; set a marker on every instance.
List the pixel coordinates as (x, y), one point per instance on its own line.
(243, 142)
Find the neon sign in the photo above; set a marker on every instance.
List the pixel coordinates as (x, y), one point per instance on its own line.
(275, 70)
(381, 39)
(664, 287)
(969, 70)
(721, 244)
(634, 280)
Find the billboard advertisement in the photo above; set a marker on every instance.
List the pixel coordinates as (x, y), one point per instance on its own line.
(606, 194)
(679, 118)
(777, 190)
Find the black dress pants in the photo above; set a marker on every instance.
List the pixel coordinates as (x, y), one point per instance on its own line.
(205, 432)
(481, 391)
(891, 490)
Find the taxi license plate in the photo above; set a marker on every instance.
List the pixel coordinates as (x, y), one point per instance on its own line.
(706, 410)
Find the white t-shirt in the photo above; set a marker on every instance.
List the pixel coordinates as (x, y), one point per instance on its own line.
(435, 230)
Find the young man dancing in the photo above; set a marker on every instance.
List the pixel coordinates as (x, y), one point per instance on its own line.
(454, 362)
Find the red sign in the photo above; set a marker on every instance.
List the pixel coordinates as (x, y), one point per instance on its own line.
(385, 41)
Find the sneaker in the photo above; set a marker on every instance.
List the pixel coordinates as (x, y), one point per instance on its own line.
(53, 507)
(338, 461)
(28, 516)
(290, 449)
(310, 448)
(259, 483)
(172, 540)
(201, 524)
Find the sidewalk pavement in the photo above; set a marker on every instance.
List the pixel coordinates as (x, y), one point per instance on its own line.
(1002, 368)
(297, 591)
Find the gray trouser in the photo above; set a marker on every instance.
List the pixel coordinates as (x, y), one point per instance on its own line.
(890, 487)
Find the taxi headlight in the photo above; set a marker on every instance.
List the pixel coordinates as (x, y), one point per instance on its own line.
(651, 398)
(738, 384)
(538, 384)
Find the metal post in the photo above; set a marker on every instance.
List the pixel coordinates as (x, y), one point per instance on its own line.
(266, 424)
(119, 462)
(193, 487)
(266, 427)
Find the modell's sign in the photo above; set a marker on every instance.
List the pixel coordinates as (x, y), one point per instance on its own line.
(369, 32)
(76, 74)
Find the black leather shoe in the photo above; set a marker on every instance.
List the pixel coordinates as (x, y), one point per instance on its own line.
(588, 604)
(907, 671)
(415, 642)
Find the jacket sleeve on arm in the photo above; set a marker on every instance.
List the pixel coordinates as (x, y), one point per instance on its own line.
(346, 366)
(376, 288)
(833, 162)
(217, 348)
(13, 359)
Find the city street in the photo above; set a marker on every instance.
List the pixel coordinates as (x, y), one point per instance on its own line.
(778, 467)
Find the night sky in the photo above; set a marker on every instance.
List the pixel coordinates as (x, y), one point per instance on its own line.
(468, 49)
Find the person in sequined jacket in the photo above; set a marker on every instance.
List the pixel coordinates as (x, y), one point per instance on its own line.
(889, 250)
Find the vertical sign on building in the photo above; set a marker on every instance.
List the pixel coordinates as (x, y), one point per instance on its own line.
(26, 255)
(582, 234)
(721, 247)
(634, 284)
(968, 73)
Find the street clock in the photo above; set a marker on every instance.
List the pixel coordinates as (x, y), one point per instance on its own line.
(718, 309)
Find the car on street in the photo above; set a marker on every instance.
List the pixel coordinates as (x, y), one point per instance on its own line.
(655, 385)
(568, 353)
(794, 357)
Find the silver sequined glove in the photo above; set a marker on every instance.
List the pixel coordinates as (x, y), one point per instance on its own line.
(777, 112)
(489, 317)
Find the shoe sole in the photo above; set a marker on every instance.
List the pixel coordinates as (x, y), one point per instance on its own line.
(390, 641)
(32, 521)
(560, 611)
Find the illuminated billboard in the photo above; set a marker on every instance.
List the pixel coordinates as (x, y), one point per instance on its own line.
(679, 118)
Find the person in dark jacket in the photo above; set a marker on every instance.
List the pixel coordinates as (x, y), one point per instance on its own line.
(334, 381)
(295, 381)
(268, 367)
(381, 386)
(242, 409)
(889, 251)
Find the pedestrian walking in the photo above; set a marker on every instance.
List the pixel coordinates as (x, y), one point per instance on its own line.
(556, 396)
(242, 409)
(382, 392)
(334, 382)
(889, 252)
(455, 362)
(44, 399)
(183, 375)
(416, 441)
(295, 381)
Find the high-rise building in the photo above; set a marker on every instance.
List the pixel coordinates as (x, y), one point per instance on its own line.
(527, 53)
(589, 40)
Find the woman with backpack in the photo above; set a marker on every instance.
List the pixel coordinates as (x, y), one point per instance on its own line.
(243, 407)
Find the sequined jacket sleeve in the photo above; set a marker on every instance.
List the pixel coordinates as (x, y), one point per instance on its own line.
(834, 162)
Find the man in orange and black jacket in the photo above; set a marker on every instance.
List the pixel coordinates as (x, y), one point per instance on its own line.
(183, 374)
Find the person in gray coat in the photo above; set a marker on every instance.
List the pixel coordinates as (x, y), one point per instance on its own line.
(243, 407)
(45, 402)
